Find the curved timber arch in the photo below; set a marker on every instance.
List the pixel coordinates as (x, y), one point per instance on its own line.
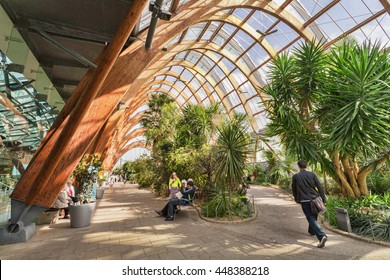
(121, 153)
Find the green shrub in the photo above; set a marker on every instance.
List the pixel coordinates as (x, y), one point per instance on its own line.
(379, 182)
(219, 206)
(369, 216)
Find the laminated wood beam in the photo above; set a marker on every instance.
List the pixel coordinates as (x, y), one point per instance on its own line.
(43, 193)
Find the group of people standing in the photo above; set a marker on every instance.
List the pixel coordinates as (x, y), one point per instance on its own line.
(180, 193)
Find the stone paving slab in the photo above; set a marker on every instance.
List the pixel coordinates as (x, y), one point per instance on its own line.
(125, 226)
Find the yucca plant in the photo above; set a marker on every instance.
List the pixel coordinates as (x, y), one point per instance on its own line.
(332, 108)
(231, 151)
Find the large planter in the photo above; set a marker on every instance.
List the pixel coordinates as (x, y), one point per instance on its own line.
(99, 193)
(81, 215)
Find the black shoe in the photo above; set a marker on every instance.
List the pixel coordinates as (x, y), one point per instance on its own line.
(169, 218)
(158, 212)
(322, 242)
(66, 217)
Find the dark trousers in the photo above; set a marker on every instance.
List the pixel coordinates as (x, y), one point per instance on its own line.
(314, 226)
(170, 207)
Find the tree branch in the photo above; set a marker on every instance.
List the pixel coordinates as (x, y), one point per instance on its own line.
(375, 164)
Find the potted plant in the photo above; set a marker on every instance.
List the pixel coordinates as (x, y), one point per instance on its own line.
(85, 175)
(102, 177)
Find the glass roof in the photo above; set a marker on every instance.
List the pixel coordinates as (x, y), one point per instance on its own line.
(25, 116)
(226, 58)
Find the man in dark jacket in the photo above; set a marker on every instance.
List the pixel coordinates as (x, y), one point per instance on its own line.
(306, 187)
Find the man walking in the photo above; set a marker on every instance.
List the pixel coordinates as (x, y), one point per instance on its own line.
(306, 187)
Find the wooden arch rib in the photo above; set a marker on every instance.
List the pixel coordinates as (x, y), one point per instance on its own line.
(223, 17)
(192, 9)
(222, 96)
(179, 90)
(190, 67)
(111, 154)
(135, 144)
(208, 52)
(119, 85)
(208, 48)
(133, 134)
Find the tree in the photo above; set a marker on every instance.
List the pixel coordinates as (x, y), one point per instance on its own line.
(197, 125)
(333, 109)
(232, 150)
(159, 119)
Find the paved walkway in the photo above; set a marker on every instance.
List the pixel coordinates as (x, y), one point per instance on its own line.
(125, 226)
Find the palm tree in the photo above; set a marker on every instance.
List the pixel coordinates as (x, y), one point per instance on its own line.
(232, 149)
(333, 109)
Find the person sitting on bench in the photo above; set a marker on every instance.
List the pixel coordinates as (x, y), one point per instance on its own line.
(182, 198)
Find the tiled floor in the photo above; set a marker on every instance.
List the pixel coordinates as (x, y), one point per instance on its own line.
(125, 226)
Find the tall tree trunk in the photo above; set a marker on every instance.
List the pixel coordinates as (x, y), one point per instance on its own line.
(342, 179)
(351, 176)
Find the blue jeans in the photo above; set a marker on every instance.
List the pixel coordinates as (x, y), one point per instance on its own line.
(314, 226)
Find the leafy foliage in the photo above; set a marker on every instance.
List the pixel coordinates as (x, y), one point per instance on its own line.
(232, 149)
(332, 109)
(85, 174)
(369, 216)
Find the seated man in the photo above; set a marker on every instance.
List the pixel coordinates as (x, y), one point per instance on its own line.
(187, 196)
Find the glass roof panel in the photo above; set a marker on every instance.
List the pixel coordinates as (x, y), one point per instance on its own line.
(171, 79)
(210, 30)
(201, 93)
(180, 99)
(247, 61)
(174, 92)
(378, 29)
(239, 76)
(253, 104)
(233, 99)
(206, 102)
(194, 31)
(261, 21)
(243, 39)
(25, 115)
(168, 88)
(195, 84)
(216, 97)
(241, 13)
(247, 90)
(193, 100)
(219, 40)
(227, 85)
(187, 74)
(374, 6)
(232, 50)
(209, 87)
(239, 109)
(193, 57)
(313, 6)
(180, 55)
(229, 65)
(257, 54)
